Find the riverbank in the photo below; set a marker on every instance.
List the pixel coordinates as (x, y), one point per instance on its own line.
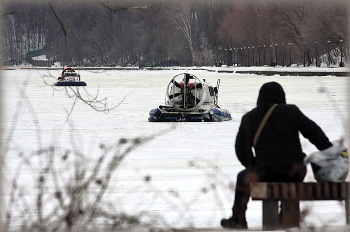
(259, 70)
(285, 71)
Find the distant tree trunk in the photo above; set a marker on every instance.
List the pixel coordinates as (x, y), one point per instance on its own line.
(184, 21)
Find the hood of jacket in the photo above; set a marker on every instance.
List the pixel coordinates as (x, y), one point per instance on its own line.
(270, 93)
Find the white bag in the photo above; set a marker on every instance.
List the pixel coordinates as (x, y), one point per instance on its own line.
(331, 164)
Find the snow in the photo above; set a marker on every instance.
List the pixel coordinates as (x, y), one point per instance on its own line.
(192, 167)
(293, 68)
(41, 57)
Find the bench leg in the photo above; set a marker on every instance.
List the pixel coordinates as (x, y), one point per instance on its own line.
(347, 204)
(270, 217)
(290, 214)
(347, 210)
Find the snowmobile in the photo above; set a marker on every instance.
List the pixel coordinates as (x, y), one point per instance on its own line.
(189, 98)
(69, 78)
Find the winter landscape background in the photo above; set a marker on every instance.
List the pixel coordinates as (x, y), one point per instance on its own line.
(186, 33)
(87, 157)
(182, 177)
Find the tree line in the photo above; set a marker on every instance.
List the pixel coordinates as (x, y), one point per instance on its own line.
(201, 32)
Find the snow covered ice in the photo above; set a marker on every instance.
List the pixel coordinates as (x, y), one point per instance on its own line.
(192, 167)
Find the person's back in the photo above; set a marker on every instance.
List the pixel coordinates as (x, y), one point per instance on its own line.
(278, 148)
(278, 152)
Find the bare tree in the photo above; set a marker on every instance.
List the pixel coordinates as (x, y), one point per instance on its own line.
(119, 32)
(183, 19)
(72, 198)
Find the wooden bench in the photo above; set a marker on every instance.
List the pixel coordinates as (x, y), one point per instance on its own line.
(289, 194)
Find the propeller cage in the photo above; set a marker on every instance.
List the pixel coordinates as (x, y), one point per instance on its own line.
(186, 92)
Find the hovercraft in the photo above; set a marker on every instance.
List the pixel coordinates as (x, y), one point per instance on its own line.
(69, 78)
(189, 98)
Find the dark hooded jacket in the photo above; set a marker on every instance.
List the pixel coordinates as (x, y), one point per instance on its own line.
(278, 148)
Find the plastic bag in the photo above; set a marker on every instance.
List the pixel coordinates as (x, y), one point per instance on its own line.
(331, 164)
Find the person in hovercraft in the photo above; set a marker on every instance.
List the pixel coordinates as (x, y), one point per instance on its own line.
(278, 153)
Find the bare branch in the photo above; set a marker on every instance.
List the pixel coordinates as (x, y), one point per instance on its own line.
(122, 8)
(64, 32)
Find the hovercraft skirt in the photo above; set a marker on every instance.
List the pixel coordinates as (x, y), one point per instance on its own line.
(156, 115)
(70, 83)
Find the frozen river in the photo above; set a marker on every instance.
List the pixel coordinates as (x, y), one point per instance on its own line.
(183, 177)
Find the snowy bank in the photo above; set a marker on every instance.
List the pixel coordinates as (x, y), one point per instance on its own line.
(284, 71)
(259, 70)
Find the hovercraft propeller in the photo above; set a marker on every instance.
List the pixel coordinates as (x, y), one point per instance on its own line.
(185, 92)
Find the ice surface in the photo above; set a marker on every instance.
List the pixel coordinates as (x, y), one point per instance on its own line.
(191, 167)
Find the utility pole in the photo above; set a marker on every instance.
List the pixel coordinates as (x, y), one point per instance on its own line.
(290, 54)
(341, 53)
(316, 53)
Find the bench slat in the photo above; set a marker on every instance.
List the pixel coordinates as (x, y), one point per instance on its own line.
(325, 188)
(259, 190)
(334, 191)
(292, 191)
(318, 191)
(343, 190)
(285, 190)
(309, 188)
(275, 191)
